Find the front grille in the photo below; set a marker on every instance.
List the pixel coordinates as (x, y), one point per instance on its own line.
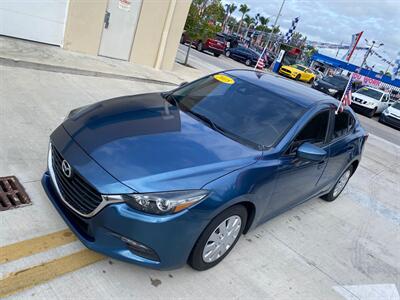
(75, 190)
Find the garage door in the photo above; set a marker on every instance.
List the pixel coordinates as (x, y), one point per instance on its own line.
(36, 20)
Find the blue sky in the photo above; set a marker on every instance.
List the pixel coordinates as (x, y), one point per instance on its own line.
(336, 20)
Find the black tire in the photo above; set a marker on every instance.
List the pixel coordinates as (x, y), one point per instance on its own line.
(331, 196)
(247, 62)
(182, 41)
(199, 46)
(217, 54)
(298, 77)
(196, 257)
(228, 53)
(311, 81)
(371, 113)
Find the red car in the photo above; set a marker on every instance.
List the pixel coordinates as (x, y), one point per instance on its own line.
(216, 45)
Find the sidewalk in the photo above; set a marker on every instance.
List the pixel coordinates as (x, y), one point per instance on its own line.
(21, 53)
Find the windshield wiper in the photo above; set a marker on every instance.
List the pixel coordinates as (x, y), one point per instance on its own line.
(224, 131)
(167, 96)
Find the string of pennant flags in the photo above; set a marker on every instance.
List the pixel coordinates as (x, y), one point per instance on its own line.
(382, 58)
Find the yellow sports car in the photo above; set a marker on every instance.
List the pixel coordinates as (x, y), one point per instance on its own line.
(297, 72)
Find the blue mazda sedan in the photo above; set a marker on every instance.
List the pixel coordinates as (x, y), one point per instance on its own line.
(164, 179)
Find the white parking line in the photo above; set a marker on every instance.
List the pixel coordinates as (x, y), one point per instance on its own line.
(368, 292)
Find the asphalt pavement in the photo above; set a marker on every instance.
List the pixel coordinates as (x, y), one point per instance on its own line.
(207, 62)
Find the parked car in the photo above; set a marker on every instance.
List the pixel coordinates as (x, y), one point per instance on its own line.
(318, 74)
(297, 72)
(331, 85)
(370, 101)
(391, 115)
(215, 45)
(245, 55)
(162, 179)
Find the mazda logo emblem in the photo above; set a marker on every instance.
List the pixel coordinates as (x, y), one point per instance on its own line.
(66, 168)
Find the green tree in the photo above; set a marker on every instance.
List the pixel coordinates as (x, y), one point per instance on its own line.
(244, 9)
(202, 21)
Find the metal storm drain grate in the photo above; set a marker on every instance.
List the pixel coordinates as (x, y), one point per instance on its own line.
(12, 194)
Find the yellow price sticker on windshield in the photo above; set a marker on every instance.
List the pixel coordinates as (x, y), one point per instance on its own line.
(224, 79)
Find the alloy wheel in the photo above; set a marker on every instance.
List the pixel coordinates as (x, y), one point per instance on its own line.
(222, 238)
(341, 183)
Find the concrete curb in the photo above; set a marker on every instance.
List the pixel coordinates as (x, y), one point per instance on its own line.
(75, 71)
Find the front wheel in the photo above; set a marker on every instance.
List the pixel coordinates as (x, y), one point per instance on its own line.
(219, 238)
(311, 81)
(200, 46)
(228, 53)
(339, 186)
(298, 77)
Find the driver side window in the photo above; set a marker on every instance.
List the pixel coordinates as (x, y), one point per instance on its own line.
(314, 132)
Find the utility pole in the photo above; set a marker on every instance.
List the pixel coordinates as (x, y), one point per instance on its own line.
(272, 31)
(369, 51)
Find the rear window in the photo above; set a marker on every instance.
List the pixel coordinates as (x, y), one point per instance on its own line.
(248, 113)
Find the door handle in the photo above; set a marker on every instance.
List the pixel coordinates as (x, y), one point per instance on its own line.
(107, 19)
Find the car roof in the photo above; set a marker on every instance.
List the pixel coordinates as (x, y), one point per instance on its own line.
(285, 88)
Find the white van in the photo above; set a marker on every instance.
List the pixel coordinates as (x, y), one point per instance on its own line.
(370, 100)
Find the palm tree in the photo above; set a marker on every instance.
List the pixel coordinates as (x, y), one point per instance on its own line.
(249, 21)
(264, 21)
(230, 8)
(244, 9)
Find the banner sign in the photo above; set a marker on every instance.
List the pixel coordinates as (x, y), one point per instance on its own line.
(355, 38)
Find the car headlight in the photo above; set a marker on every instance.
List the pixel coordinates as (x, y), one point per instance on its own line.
(315, 83)
(385, 112)
(161, 203)
(332, 91)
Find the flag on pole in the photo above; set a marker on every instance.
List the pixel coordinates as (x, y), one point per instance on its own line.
(355, 38)
(288, 35)
(346, 97)
(396, 67)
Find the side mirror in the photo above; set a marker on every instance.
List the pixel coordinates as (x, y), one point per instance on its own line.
(311, 152)
(183, 83)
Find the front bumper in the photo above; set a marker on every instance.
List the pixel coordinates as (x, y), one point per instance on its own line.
(390, 120)
(358, 107)
(171, 237)
(286, 74)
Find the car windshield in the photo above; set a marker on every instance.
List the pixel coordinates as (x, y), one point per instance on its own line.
(301, 68)
(396, 105)
(370, 93)
(243, 111)
(336, 80)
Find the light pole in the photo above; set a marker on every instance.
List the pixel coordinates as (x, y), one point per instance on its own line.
(369, 51)
(272, 31)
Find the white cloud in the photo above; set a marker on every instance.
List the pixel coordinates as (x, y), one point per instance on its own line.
(336, 20)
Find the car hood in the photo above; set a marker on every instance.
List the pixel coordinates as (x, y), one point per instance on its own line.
(393, 111)
(149, 145)
(363, 97)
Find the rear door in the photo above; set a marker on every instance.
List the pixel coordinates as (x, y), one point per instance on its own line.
(341, 147)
